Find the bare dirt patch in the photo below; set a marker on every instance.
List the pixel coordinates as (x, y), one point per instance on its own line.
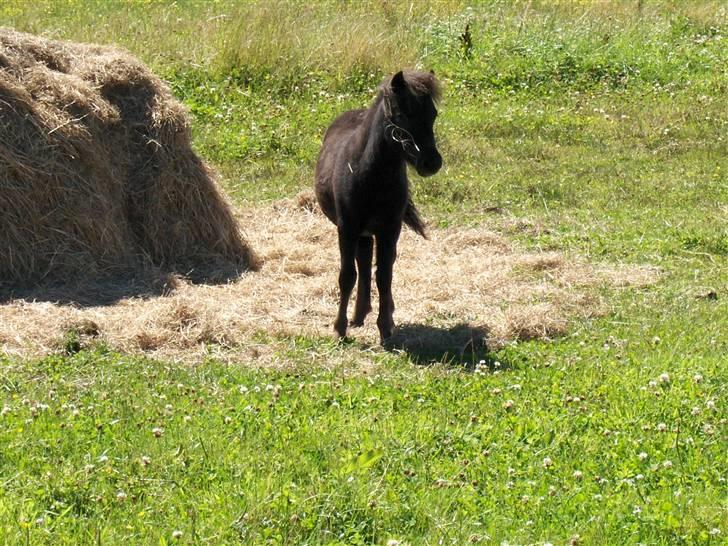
(464, 286)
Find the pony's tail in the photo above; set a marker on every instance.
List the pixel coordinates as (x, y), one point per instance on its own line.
(413, 220)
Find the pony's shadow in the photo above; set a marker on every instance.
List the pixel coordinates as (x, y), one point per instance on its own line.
(460, 345)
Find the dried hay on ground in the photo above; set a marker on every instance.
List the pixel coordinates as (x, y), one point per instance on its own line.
(97, 175)
(460, 286)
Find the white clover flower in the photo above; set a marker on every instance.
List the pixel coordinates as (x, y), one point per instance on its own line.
(5, 411)
(146, 461)
(708, 429)
(697, 378)
(187, 418)
(664, 378)
(667, 464)
(710, 404)
(639, 477)
(103, 458)
(243, 389)
(120, 496)
(637, 511)
(508, 404)
(714, 532)
(661, 427)
(228, 420)
(578, 474)
(652, 383)
(157, 432)
(393, 542)
(695, 411)
(177, 534)
(642, 456)
(547, 462)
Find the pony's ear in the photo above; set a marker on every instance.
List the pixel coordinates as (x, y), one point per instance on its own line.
(398, 84)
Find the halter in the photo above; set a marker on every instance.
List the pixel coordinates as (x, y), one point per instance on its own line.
(399, 134)
(402, 136)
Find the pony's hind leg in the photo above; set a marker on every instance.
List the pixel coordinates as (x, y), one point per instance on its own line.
(386, 254)
(363, 306)
(347, 279)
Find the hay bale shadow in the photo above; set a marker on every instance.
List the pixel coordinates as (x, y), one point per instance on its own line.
(460, 345)
(110, 289)
(93, 292)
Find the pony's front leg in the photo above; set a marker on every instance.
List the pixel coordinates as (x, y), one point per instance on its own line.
(347, 278)
(386, 254)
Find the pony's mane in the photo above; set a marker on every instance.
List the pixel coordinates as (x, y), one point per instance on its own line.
(419, 82)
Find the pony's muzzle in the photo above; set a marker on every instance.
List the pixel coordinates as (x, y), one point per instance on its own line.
(428, 162)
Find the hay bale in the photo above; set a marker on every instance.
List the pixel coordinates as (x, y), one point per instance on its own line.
(97, 174)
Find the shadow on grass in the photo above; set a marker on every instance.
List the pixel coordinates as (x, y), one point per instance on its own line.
(460, 345)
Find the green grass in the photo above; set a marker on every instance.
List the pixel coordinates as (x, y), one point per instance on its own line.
(601, 125)
(329, 457)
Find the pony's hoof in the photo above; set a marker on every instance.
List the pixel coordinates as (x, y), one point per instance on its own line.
(340, 329)
(360, 314)
(384, 337)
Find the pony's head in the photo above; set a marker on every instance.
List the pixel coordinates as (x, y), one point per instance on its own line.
(409, 102)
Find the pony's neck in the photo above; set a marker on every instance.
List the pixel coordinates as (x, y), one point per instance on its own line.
(377, 148)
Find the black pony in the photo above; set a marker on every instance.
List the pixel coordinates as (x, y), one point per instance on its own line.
(361, 185)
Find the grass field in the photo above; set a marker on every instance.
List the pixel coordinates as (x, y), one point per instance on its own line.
(602, 124)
